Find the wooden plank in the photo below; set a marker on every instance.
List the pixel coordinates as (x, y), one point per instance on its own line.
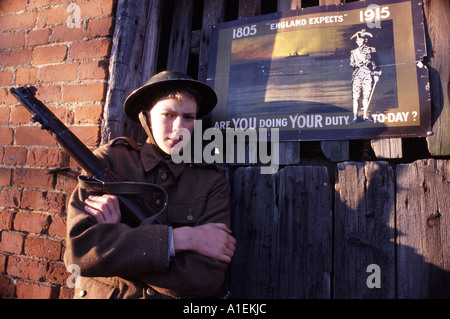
(180, 36)
(289, 153)
(329, 2)
(387, 148)
(254, 227)
(194, 47)
(336, 151)
(282, 224)
(152, 36)
(285, 5)
(304, 244)
(438, 47)
(249, 8)
(213, 13)
(423, 221)
(364, 230)
(125, 62)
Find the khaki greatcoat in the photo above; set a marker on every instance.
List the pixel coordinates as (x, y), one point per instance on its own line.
(119, 261)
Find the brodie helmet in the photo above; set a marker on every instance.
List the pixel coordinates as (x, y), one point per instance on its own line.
(143, 97)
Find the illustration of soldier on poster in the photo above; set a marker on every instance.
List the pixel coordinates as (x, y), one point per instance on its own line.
(324, 73)
(364, 60)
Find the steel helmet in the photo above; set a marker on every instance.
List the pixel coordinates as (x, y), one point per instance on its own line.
(143, 97)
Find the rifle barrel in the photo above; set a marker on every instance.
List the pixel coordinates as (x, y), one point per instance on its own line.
(85, 158)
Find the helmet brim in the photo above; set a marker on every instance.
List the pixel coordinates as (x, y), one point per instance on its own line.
(144, 97)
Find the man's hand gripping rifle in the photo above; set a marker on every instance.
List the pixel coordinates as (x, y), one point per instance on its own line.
(100, 178)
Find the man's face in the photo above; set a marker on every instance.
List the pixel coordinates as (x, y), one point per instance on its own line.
(359, 41)
(168, 116)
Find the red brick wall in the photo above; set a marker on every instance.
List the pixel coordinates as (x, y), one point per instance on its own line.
(69, 67)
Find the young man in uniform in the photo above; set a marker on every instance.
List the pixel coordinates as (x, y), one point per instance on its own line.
(187, 253)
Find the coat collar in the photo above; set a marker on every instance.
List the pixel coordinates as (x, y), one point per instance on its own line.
(151, 158)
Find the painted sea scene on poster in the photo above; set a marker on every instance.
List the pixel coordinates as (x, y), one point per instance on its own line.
(307, 71)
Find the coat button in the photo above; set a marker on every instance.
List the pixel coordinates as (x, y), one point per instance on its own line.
(158, 202)
(190, 218)
(150, 292)
(164, 176)
(82, 293)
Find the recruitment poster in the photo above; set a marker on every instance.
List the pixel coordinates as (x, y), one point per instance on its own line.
(349, 71)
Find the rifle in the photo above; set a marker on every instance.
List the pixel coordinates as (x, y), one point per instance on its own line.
(101, 179)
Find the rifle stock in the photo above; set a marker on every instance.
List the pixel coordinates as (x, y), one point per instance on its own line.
(135, 209)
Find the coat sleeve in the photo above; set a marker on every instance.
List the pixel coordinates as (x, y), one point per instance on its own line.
(104, 250)
(191, 275)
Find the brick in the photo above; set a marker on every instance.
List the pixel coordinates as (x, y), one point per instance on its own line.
(62, 33)
(59, 73)
(57, 273)
(84, 92)
(73, 163)
(6, 136)
(49, 93)
(58, 227)
(50, 54)
(15, 58)
(52, 15)
(89, 135)
(20, 115)
(38, 3)
(42, 247)
(10, 40)
(6, 77)
(33, 135)
(6, 98)
(94, 70)
(3, 259)
(32, 290)
(43, 201)
(10, 197)
(31, 177)
(6, 219)
(66, 183)
(24, 20)
(5, 176)
(96, 8)
(11, 242)
(15, 156)
(88, 114)
(47, 157)
(64, 114)
(100, 28)
(26, 76)
(54, 2)
(7, 288)
(90, 49)
(26, 267)
(31, 222)
(66, 293)
(12, 6)
(38, 36)
(4, 115)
